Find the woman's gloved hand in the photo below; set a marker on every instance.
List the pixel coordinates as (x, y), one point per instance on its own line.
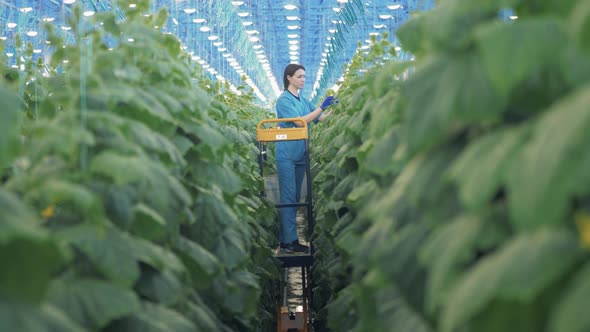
(330, 100)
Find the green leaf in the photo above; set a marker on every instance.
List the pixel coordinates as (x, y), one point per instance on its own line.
(458, 92)
(231, 248)
(117, 254)
(108, 249)
(511, 53)
(76, 196)
(19, 317)
(519, 271)
(220, 175)
(570, 311)
(159, 287)
(579, 25)
(93, 303)
(153, 318)
(541, 192)
(240, 292)
(481, 169)
(38, 255)
(411, 34)
(202, 264)
(445, 252)
(147, 223)
(10, 117)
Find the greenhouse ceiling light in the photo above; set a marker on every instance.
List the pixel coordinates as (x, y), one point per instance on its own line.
(69, 2)
(513, 17)
(175, 21)
(88, 13)
(292, 18)
(26, 9)
(257, 46)
(47, 19)
(293, 42)
(66, 28)
(10, 55)
(32, 33)
(293, 48)
(293, 53)
(199, 20)
(394, 7)
(2, 38)
(331, 30)
(336, 9)
(384, 16)
(292, 27)
(225, 55)
(374, 33)
(132, 5)
(247, 23)
(251, 32)
(217, 44)
(11, 25)
(243, 14)
(131, 40)
(213, 37)
(254, 39)
(293, 35)
(397, 48)
(379, 26)
(36, 51)
(237, 3)
(189, 10)
(222, 49)
(205, 29)
(290, 7)
(342, 1)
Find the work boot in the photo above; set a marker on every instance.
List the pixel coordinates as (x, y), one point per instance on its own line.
(294, 247)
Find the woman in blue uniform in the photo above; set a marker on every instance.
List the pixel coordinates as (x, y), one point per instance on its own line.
(290, 155)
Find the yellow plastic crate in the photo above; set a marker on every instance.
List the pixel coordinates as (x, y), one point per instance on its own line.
(274, 134)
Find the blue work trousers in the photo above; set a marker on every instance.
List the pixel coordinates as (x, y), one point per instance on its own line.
(290, 180)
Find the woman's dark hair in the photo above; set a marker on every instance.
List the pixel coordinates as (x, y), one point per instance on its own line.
(290, 71)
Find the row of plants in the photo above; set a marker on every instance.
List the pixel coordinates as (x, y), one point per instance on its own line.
(129, 191)
(453, 191)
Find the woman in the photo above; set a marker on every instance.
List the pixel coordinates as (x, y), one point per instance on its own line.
(290, 155)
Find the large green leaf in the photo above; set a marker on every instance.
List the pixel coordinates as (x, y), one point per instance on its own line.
(20, 317)
(519, 271)
(445, 252)
(153, 318)
(147, 223)
(240, 292)
(30, 255)
(157, 185)
(443, 94)
(231, 248)
(93, 303)
(159, 287)
(570, 311)
(513, 52)
(552, 169)
(481, 169)
(202, 264)
(116, 254)
(579, 25)
(10, 115)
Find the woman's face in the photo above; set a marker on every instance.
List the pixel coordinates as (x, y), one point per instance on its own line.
(298, 79)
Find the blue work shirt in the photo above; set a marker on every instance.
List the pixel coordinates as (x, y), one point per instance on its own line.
(288, 106)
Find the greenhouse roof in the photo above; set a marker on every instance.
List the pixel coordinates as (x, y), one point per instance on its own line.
(231, 39)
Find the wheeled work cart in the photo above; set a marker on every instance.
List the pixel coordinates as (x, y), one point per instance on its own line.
(268, 131)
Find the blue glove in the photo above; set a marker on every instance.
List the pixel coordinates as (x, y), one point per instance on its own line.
(330, 100)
